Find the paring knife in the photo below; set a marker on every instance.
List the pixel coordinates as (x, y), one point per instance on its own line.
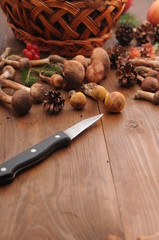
(42, 150)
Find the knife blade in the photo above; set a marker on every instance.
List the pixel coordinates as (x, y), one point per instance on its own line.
(35, 154)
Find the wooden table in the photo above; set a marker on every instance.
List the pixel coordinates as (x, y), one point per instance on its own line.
(105, 182)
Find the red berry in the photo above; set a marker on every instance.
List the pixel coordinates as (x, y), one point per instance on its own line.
(25, 51)
(29, 46)
(36, 48)
(29, 55)
(36, 56)
(32, 51)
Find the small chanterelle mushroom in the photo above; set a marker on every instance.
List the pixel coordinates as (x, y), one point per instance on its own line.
(8, 72)
(21, 101)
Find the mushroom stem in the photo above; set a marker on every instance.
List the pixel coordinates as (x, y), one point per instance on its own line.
(146, 70)
(49, 60)
(140, 78)
(145, 62)
(144, 95)
(5, 97)
(20, 101)
(5, 54)
(36, 90)
(25, 62)
(22, 63)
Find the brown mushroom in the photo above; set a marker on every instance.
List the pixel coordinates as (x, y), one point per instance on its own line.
(94, 90)
(22, 63)
(83, 60)
(56, 80)
(144, 95)
(21, 101)
(73, 73)
(146, 71)
(51, 59)
(77, 100)
(8, 72)
(114, 102)
(100, 54)
(150, 84)
(36, 90)
(25, 62)
(95, 72)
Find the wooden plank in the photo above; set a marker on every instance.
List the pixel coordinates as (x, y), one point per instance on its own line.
(132, 143)
(71, 195)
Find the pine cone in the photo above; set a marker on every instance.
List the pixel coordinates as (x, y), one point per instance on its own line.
(124, 34)
(53, 102)
(145, 33)
(126, 75)
(116, 55)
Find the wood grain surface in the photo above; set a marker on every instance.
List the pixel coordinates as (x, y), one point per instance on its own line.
(105, 182)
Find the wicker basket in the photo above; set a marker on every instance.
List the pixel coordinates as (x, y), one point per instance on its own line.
(66, 28)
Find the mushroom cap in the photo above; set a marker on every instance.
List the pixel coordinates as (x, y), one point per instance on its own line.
(95, 72)
(57, 80)
(11, 71)
(100, 54)
(156, 98)
(150, 84)
(24, 63)
(78, 100)
(21, 102)
(114, 102)
(37, 92)
(74, 74)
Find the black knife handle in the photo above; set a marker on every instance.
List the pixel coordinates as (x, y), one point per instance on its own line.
(32, 156)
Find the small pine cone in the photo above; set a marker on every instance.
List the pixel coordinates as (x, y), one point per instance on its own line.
(115, 54)
(53, 102)
(124, 34)
(145, 33)
(157, 33)
(126, 75)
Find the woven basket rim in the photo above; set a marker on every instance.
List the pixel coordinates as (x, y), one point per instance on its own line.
(95, 39)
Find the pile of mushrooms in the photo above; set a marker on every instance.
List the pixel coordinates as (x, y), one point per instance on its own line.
(76, 73)
(148, 77)
(21, 101)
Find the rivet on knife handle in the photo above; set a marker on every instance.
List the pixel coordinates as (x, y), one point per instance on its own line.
(42, 150)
